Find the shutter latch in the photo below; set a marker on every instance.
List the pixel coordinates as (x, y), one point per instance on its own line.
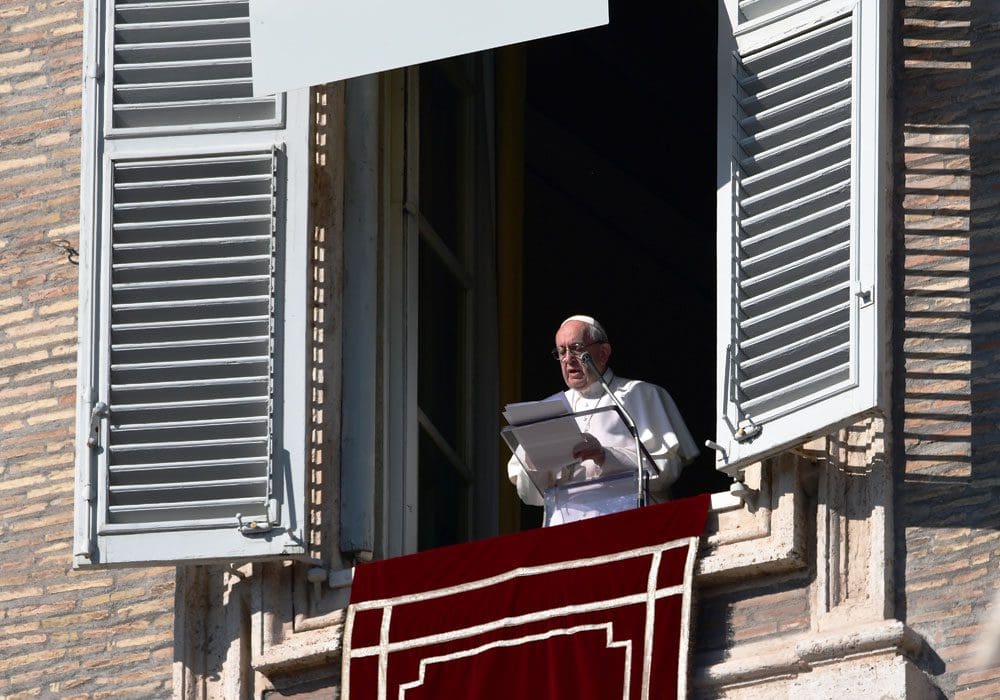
(747, 430)
(251, 525)
(254, 524)
(100, 411)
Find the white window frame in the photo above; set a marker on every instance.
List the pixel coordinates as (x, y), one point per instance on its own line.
(400, 325)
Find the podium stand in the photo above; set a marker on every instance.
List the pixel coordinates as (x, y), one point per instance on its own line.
(579, 500)
(568, 494)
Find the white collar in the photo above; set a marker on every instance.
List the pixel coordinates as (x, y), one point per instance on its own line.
(594, 390)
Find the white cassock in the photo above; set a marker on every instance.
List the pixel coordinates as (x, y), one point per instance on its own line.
(661, 430)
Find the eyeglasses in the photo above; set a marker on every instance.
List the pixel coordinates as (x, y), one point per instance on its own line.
(559, 352)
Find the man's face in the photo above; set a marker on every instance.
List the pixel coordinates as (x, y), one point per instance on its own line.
(573, 372)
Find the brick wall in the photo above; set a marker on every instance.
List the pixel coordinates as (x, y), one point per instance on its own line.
(947, 142)
(62, 633)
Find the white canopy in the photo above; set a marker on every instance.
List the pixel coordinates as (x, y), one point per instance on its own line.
(297, 43)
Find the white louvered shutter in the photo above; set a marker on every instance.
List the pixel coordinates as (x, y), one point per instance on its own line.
(193, 262)
(801, 225)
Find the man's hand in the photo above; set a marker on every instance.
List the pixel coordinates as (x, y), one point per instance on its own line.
(590, 448)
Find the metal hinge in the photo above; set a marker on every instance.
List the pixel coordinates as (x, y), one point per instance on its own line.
(100, 411)
(866, 297)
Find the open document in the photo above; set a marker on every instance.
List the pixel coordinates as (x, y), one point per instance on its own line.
(544, 433)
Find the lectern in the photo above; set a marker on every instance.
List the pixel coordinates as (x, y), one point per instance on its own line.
(545, 451)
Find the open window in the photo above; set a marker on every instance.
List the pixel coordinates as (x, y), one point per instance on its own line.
(192, 292)
(802, 229)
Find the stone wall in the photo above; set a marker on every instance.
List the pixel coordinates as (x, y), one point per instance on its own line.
(62, 633)
(947, 378)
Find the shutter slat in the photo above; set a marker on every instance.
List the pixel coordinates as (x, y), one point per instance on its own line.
(772, 233)
(786, 249)
(182, 223)
(205, 281)
(798, 390)
(180, 445)
(749, 384)
(196, 464)
(799, 203)
(181, 485)
(174, 104)
(795, 163)
(195, 403)
(803, 144)
(769, 296)
(775, 336)
(787, 185)
(211, 422)
(794, 107)
(156, 264)
(210, 342)
(833, 110)
(794, 264)
(187, 363)
(194, 323)
(228, 504)
(200, 303)
(797, 62)
(791, 347)
(748, 324)
(160, 244)
(167, 184)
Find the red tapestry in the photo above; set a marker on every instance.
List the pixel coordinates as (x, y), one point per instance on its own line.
(594, 609)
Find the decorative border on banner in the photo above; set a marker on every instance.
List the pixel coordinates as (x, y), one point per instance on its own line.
(384, 648)
(606, 626)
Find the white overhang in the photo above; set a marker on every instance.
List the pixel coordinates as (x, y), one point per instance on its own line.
(298, 43)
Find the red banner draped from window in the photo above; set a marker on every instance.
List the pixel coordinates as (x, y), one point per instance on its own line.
(593, 609)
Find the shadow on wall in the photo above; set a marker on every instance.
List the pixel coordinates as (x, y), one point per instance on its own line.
(947, 306)
(948, 293)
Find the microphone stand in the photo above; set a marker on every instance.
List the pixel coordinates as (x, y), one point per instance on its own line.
(589, 366)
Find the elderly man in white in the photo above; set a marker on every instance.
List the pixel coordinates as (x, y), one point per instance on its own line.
(608, 446)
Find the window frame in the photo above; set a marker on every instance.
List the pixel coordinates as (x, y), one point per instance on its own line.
(401, 238)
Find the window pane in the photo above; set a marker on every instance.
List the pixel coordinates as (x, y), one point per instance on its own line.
(443, 497)
(440, 154)
(442, 360)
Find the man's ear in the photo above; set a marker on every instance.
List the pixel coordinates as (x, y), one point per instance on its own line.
(606, 352)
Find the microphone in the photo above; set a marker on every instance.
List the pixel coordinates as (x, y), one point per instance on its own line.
(589, 367)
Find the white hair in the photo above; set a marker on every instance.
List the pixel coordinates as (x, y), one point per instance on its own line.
(597, 334)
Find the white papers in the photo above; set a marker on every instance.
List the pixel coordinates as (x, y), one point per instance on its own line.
(546, 433)
(531, 411)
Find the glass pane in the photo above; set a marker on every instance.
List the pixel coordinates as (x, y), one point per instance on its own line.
(441, 357)
(440, 154)
(443, 497)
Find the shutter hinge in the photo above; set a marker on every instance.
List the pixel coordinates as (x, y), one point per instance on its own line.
(93, 71)
(866, 296)
(99, 412)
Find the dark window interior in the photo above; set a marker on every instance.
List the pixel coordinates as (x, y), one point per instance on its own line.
(620, 205)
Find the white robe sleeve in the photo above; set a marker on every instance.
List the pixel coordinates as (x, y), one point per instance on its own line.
(661, 430)
(526, 490)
